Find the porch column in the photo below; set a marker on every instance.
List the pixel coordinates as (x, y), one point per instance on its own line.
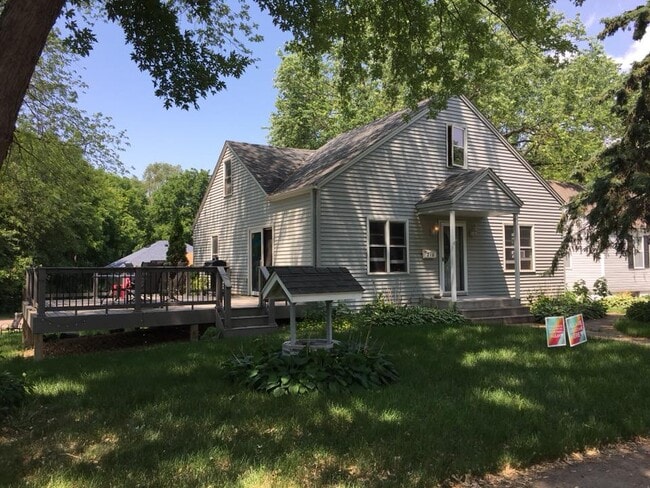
(515, 226)
(452, 255)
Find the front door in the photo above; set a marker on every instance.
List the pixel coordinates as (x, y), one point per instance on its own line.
(261, 254)
(445, 262)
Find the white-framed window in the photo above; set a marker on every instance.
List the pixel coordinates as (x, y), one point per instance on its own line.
(387, 246)
(227, 178)
(639, 252)
(526, 247)
(215, 247)
(456, 146)
(568, 260)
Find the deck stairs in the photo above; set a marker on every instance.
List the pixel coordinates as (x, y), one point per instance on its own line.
(246, 321)
(490, 310)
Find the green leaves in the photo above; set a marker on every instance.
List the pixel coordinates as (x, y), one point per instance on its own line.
(432, 49)
(188, 47)
(13, 392)
(347, 365)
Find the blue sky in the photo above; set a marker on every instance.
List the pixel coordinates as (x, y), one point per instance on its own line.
(193, 139)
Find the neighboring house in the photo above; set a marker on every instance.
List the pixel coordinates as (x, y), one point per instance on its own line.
(155, 252)
(622, 273)
(389, 201)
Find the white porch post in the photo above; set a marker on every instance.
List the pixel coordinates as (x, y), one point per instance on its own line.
(515, 225)
(452, 254)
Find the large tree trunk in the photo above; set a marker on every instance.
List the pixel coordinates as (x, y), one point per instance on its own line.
(24, 27)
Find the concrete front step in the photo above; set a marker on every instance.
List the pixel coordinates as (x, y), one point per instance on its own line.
(495, 312)
(509, 320)
(487, 310)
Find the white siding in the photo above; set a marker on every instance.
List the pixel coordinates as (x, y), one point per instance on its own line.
(387, 184)
(584, 267)
(233, 217)
(620, 277)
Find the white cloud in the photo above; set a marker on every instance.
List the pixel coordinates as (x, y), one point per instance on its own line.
(636, 52)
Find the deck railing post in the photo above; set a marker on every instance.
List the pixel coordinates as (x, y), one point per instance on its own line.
(227, 312)
(137, 290)
(41, 289)
(271, 311)
(218, 289)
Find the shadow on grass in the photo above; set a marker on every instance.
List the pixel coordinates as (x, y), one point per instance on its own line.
(470, 399)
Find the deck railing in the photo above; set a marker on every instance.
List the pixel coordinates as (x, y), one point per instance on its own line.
(52, 289)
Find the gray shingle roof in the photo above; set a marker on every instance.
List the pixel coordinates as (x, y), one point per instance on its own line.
(305, 280)
(270, 166)
(451, 187)
(278, 170)
(155, 252)
(343, 149)
(565, 189)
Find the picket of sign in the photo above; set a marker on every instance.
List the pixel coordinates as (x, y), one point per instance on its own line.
(559, 328)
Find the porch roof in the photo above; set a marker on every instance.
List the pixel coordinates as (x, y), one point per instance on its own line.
(468, 192)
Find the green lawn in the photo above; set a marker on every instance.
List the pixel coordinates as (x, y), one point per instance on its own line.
(471, 399)
(632, 327)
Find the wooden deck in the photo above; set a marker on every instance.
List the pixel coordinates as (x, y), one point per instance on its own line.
(58, 300)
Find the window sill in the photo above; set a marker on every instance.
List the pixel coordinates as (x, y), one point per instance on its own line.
(386, 273)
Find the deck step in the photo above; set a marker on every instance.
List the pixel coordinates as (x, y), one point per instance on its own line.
(253, 330)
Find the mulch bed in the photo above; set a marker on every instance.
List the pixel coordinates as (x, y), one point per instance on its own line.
(108, 341)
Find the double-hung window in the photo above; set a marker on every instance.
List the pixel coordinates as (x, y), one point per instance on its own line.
(227, 178)
(640, 258)
(456, 146)
(526, 247)
(387, 246)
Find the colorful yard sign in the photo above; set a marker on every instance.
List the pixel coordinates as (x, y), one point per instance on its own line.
(555, 332)
(575, 327)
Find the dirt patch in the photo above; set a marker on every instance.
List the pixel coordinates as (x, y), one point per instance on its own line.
(624, 465)
(54, 346)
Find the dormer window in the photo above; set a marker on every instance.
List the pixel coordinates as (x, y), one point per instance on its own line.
(227, 178)
(456, 146)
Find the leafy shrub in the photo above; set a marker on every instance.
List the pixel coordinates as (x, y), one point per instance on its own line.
(620, 301)
(383, 313)
(211, 334)
(600, 287)
(346, 365)
(13, 392)
(580, 289)
(639, 311)
(566, 304)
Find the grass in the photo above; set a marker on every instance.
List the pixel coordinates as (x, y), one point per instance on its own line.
(632, 327)
(471, 399)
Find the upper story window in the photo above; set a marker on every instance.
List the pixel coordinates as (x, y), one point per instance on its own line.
(456, 146)
(215, 247)
(387, 247)
(227, 178)
(526, 247)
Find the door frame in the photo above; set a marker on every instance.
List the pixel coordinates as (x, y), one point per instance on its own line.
(249, 254)
(441, 247)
